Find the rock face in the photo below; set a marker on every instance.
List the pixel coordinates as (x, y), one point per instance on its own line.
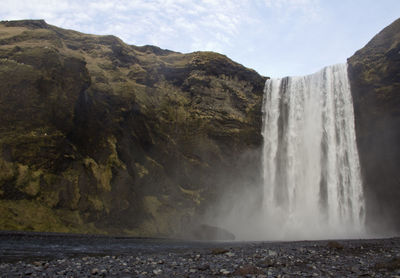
(374, 73)
(104, 137)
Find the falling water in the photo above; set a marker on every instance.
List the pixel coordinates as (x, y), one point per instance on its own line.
(312, 183)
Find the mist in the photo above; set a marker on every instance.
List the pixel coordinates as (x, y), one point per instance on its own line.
(311, 180)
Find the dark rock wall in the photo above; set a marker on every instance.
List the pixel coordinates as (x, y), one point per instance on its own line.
(374, 73)
(99, 136)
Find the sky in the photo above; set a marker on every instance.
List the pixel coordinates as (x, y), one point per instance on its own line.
(274, 37)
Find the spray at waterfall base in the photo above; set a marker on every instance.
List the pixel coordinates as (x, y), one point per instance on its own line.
(312, 186)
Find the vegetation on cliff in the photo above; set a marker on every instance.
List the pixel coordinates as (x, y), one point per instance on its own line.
(374, 73)
(103, 137)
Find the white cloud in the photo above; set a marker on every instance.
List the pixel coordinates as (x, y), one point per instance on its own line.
(179, 24)
(254, 32)
(286, 10)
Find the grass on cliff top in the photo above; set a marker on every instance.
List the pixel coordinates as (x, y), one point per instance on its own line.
(8, 32)
(62, 37)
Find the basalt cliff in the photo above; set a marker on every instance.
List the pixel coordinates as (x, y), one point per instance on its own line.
(374, 73)
(97, 136)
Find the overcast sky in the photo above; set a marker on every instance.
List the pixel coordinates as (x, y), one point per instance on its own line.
(275, 37)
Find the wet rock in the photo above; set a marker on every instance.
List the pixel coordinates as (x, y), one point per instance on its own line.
(391, 265)
(38, 263)
(266, 263)
(203, 267)
(246, 270)
(219, 251)
(230, 254)
(335, 245)
(272, 253)
(224, 271)
(157, 271)
(373, 75)
(355, 269)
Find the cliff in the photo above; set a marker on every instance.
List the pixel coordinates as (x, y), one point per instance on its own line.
(374, 73)
(97, 136)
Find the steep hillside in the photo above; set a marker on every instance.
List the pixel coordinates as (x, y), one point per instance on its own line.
(374, 73)
(103, 137)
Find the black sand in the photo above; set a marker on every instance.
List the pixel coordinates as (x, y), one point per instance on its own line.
(55, 255)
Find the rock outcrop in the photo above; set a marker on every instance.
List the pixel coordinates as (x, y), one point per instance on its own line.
(103, 137)
(374, 73)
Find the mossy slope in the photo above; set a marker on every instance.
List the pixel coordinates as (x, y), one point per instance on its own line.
(100, 136)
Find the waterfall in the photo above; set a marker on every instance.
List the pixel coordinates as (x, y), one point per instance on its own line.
(312, 183)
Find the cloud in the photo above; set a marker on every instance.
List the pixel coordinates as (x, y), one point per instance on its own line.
(299, 10)
(232, 27)
(272, 36)
(180, 24)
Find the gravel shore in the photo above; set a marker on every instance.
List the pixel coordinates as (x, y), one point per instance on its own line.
(341, 258)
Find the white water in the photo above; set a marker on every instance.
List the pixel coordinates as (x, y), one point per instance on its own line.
(312, 183)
